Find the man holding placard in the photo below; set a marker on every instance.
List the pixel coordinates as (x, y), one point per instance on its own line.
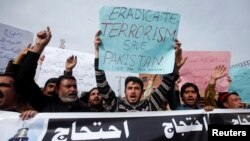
(137, 40)
(134, 87)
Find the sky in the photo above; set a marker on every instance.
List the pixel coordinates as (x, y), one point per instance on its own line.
(205, 25)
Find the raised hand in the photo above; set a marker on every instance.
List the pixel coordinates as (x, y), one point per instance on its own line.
(70, 63)
(41, 59)
(179, 60)
(97, 43)
(218, 73)
(42, 39)
(22, 54)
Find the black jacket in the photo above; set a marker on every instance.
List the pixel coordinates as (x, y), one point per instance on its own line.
(30, 91)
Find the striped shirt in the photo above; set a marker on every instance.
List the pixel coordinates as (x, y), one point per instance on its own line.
(114, 103)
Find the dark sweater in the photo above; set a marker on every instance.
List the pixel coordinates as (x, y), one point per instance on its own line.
(30, 91)
(159, 96)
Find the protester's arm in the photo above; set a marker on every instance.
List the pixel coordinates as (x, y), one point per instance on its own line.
(25, 79)
(104, 89)
(179, 60)
(19, 58)
(42, 39)
(70, 64)
(218, 73)
(165, 92)
(13, 65)
(97, 43)
(149, 89)
(176, 88)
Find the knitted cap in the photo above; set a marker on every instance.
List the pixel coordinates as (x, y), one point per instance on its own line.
(222, 97)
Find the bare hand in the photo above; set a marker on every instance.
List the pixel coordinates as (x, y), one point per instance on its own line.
(97, 43)
(27, 114)
(71, 63)
(22, 54)
(179, 61)
(42, 39)
(41, 59)
(218, 72)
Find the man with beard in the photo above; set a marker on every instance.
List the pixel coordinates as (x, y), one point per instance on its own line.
(94, 100)
(66, 86)
(49, 88)
(134, 86)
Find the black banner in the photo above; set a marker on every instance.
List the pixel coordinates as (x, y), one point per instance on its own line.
(181, 125)
(173, 128)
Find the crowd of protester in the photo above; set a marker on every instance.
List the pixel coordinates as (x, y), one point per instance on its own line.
(20, 93)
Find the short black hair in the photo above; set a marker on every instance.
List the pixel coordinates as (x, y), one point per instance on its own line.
(135, 80)
(85, 95)
(51, 80)
(62, 77)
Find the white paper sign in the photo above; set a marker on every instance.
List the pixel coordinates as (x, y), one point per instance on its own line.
(12, 41)
(54, 65)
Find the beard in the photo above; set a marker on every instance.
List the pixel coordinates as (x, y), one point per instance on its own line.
(67, 99)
